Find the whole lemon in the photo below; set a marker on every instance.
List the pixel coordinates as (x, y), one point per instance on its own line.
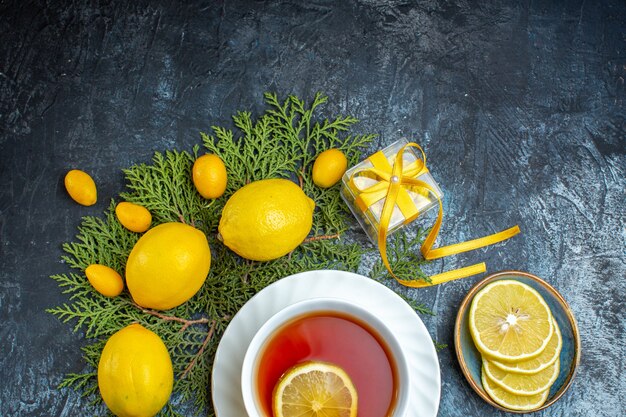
(81, 187)
(135, 374)
(209, 176)
(266, 219)
(167, 266)
(328, 168)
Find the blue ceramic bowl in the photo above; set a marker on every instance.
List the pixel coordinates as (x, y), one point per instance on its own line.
(470, 359)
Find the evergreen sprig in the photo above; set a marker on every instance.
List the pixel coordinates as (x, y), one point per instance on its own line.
(403, 252)
(281, 143)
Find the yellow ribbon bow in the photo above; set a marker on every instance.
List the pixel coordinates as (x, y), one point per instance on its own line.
(392, 187)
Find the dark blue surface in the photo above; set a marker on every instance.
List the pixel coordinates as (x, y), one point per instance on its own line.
(518, 105)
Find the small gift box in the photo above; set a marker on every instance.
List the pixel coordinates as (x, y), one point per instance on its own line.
(365, 188)
(392, 188)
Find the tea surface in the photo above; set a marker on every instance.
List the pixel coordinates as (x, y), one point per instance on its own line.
(338, 340)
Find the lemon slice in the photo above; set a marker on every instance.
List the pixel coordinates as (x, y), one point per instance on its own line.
(521, 384)
(532, 366)
(315, 389)
(510, 321)
(512, 401)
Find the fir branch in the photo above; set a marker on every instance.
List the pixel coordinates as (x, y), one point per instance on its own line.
(96, 315)
(281, 143)
(82, 383)
(201, 351)
(439, 346)
(186, 322)
(104, 241)
(169, 411)
(166, 189)
(403, 251)
(419, 307)
(323, 237)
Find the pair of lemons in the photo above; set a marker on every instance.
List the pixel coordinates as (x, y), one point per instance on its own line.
(520, 343)
(165, 268)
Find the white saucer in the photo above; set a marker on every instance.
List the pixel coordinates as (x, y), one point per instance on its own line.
(388, 306)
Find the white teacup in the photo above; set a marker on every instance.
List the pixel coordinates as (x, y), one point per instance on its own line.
(251, 399)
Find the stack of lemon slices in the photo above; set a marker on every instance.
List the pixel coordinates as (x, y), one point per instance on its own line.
(520, 343)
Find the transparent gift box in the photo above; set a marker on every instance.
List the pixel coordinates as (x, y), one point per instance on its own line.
(369, 218)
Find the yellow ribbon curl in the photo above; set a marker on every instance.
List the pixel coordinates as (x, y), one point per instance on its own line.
(391, 187)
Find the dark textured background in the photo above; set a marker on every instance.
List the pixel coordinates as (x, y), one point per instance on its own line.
(520, 109)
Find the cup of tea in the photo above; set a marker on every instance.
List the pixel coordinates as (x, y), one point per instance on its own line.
(334, 331)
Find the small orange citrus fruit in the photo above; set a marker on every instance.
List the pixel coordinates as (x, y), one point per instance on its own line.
(328, 168)
(81, 187)
(209, 176)
(134, 217)
(105, 280)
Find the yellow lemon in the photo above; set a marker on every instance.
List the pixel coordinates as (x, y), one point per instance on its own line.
(209, 176)
(134, 217)
(81, 187)
(328, 168)
(105, 280)
(266, 219)
(510, 321)
(167, 265)
(315, 389)
(522, 384)
(531, 366)
(512, 401)
(135, 374)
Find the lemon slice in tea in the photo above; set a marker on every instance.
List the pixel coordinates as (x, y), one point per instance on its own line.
(512, 401)
(510, 321)
(531, 366)
(315, 389)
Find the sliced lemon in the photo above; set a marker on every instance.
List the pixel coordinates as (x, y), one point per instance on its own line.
(521, 384)
(532, 366)
(510, 321)
(512, 401)
(315, 389)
